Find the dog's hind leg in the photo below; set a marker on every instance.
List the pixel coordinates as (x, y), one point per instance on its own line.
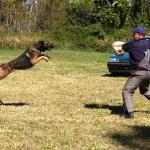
(5, 70)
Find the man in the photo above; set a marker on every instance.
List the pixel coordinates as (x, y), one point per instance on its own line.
(139, 53)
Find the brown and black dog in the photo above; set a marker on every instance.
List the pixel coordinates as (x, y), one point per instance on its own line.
(26, 60)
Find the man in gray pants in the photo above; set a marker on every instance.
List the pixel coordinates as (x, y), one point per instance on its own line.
(139, 53)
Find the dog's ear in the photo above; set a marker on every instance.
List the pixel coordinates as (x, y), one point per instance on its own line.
(38, 44)
(43, 46)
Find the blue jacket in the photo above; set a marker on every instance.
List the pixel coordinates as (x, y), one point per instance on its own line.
(136, 50)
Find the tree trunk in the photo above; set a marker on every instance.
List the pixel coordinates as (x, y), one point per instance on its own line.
(148, 7)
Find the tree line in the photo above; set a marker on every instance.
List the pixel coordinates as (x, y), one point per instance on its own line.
(111, 13)
(73, 24)
(17, 16)
(47, 15)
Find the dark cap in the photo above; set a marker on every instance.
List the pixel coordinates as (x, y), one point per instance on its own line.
(140, 30)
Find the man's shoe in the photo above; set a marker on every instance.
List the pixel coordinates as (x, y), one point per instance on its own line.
(129, 115)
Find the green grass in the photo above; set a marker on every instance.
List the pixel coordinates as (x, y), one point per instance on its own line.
(69, 103)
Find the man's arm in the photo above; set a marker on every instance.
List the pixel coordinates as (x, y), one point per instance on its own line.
(127, 47)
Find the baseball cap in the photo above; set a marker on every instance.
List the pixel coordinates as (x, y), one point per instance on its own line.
(140, 30)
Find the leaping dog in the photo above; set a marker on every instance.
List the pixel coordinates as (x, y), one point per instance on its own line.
(26, 60)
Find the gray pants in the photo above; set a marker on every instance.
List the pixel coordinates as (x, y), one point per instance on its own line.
(139, 79)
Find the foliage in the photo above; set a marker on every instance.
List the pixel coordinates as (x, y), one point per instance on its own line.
(47, 15)
(111, 14)
(19, 40)
(91, 37)
(139, 14)
(121, 8)
(50, 15)
(79, 37)
(16, 16)
(83, 24)
(107, 18)
(80, 13)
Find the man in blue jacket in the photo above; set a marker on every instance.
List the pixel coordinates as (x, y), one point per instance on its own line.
(139, 53)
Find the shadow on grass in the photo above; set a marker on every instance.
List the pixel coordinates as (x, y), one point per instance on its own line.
(16, 104)
(116, 75)
(118, 110)
(138, 138)
(114, 109)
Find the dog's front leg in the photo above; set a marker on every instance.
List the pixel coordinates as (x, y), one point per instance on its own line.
(37, 59)
(45, 56)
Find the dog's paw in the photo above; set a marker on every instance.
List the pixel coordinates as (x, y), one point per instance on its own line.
(46, 59)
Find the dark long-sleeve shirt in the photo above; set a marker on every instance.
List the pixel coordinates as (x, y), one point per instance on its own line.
(136, 49)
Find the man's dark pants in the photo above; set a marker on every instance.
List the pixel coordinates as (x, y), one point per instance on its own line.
(139, 79)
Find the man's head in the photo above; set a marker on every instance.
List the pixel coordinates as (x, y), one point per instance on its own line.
(138, 33)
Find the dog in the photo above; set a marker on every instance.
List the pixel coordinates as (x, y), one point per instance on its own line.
(26, 60)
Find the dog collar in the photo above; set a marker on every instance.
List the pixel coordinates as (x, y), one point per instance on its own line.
(34, 49)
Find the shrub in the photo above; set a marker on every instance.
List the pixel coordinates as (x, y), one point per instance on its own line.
(68, 37)
(79, 37)
(107, 18)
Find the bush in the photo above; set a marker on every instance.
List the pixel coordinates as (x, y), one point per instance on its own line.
(87, 43)
(80, 13)
(91, 37)
(107, 18)
(21, 40)
(79, 37)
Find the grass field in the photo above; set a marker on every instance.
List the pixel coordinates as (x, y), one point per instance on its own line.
(69, 103)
